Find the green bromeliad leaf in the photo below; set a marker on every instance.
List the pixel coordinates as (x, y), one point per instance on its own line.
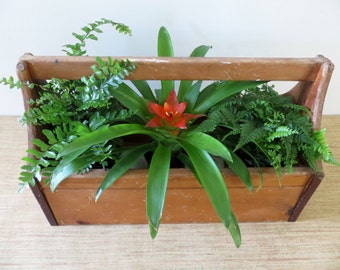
(104, 134)
(157, 185)
(129, 98)
(62, 172)
(71, 154)
(213, 183)
(212, 96)
(191, 95)
(165, 49)
(242, 171)
(144, 88)
(208, 143)
(122, 165)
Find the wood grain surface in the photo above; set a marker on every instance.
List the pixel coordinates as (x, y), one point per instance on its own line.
(27, 241)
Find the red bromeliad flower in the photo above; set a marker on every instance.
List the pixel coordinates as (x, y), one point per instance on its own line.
(171, 114)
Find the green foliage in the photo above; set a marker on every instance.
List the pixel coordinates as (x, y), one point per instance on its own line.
(11, 83)
(213, 183)
(165, 49)
(157, 185)
(267, 129)
(89, 33)
(71, 109)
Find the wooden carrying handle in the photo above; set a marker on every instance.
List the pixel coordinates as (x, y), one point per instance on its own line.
(313, 74)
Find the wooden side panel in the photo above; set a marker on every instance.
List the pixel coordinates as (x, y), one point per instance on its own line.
(186, 201)
(127, 206)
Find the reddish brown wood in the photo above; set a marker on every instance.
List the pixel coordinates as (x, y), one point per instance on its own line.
(34, 132)
(186, 201)
(305, 196)
(183, 68)
(124, 202)
(312, 94)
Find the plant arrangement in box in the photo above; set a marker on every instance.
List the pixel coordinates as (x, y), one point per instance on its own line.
(88, 123)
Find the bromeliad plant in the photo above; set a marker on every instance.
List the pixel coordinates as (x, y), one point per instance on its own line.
(169, 120)
(90, 119)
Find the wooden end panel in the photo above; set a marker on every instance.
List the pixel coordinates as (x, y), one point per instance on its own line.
(39, 195)
(33, 132)
(305, 196)
(311, 94)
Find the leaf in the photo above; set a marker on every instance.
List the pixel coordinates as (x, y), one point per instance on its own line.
(72, 167)
(100, 62)
(86, 29)
(50, 154)
(43, 146)
(35, 153)
(200, 51)
(235, 232)
(164, 43)
(207, 143)
(145, 90)
(92, 36)
(104, 134)
(72, 155)
(78, 36)
(31, 161)
(50, 136)
(222, 91)
(213, 183)
(250, 133)
(125, 95)
(165, 48)
(122, 165)
(280, 132)
(207, 91)
(76, 49)
(43, 162)
(183, 157)
(156, 186)
(192, 94)
(238, 167)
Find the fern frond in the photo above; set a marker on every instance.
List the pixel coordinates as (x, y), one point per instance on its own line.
(280, 132)
(249, 133)
(89, 33)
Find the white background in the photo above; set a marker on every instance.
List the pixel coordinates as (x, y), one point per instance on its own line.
(289, 28)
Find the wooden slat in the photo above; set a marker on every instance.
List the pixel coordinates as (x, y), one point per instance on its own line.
(183, 178)
(183, 68)
(186, 201)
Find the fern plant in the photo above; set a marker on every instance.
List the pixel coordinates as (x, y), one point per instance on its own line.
(72, 108)
(90, 32)
(268, 130)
